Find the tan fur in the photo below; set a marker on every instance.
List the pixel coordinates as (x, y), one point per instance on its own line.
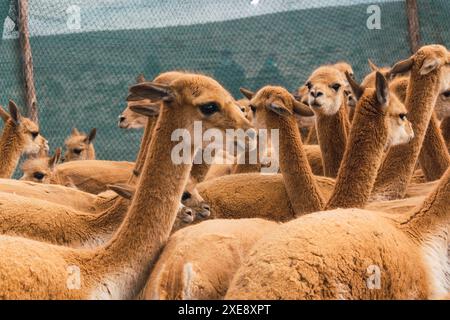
(254, 195)
(277, 106)
(129, 119)
(377, 121)
(314, 155)
(92, 175)
(40, 170)
(332, 122)
(62, 195)
(445, 129)
(20, 136)
(434, 157)
(61, 224)
(185, 216)
(331, 255)
(198, 262)
(163, 78)
(120, 268)
(326, 255)
(423, 90)
(245, 107)
(79, 146)
(132, 120)
(312, 136)
(74, 226)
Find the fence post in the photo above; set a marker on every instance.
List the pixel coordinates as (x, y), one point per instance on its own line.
(27, 61)
(412, 15)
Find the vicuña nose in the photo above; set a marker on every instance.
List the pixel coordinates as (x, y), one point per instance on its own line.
(316, 93)
(121, 118)
(188, 212)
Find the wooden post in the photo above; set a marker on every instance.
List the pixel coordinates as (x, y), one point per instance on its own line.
(27, 61)
(413, 25)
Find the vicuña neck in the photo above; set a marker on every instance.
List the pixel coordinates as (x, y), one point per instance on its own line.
(445, 129)
(332, 136)
(299, 180)
(145, 141)
(147, 225)
(398, 167)
(362, 157)
(11, 147)
(433, 215)
(434, 158)
(112, 217)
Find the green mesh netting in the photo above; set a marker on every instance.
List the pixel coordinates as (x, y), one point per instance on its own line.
(82, 76)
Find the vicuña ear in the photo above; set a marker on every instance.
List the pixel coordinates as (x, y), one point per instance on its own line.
(429, 65)
(297, 96)
(75, 132)
(153, 91)
(14, 112)
(356, 88)
(53, 161)
(91, 136)
(372, 65)
(247, 93)
(382, 89)
(134, 97)
(140, 78)
(302, 109)
(279, 109)
(3, 114)
(149, 110)
(402, 66)
(124, 190)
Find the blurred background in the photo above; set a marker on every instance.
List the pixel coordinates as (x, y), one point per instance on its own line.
(87, 52)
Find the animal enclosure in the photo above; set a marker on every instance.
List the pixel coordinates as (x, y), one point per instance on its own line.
(82, 71)
(224, 150)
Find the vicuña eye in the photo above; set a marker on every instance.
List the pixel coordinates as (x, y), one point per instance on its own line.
(336, 86)
(308, 85)
(253, 108)
(209, 108)
(186, 195)
(402, 116)
(34, 134)
(77, 151)
(446, 94)
(38, 175)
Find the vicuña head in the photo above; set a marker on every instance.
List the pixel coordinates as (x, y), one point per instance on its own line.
(185, 216)
(26, 131)
(40, 169)
(244, 104)
(400, 129)
(132, 120)
(212, 104)
(326, 90)
(79, 146)
(20, 136)
(129, 119)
